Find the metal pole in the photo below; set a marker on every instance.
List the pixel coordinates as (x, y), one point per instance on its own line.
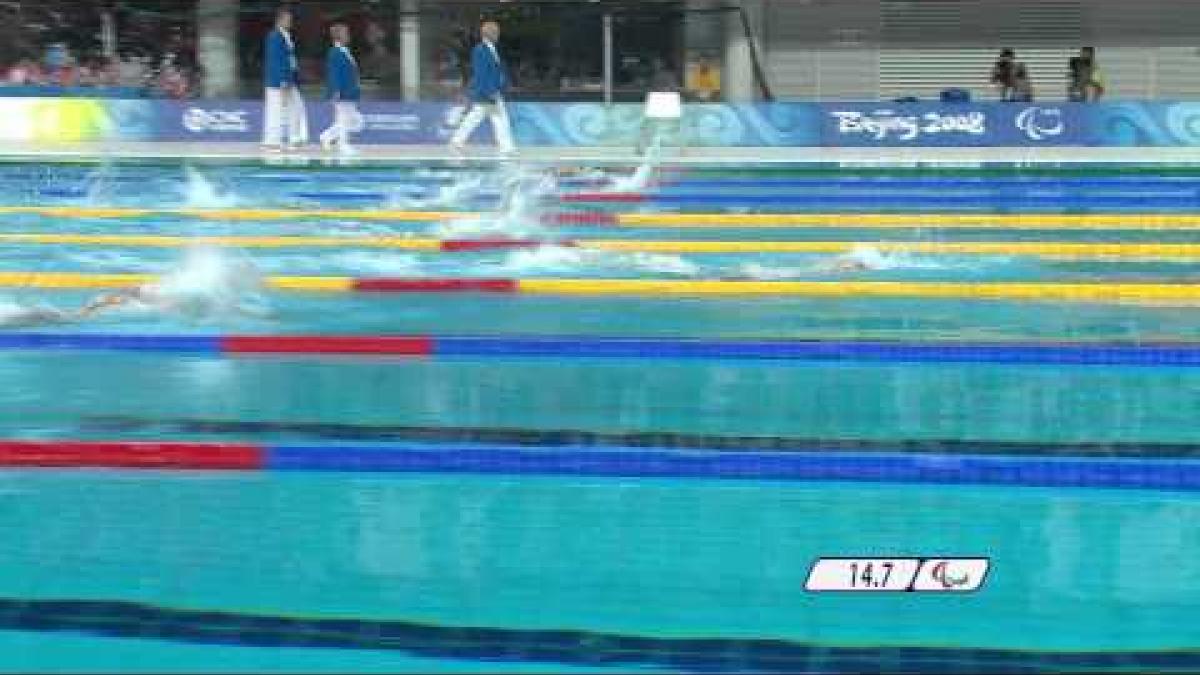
(608, 59)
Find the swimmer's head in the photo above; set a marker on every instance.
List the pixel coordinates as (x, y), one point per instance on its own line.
(866, 258)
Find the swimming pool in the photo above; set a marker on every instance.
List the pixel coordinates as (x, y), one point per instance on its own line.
(586, 426)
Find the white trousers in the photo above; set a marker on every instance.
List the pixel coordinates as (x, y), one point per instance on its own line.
(284, 110)
(346, 120)
(474, 117)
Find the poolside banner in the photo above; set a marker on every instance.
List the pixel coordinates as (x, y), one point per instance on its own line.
(954, 125)
(719, 125)
(1149, 124)
(744, 125)
(64, 120)
(241, 121)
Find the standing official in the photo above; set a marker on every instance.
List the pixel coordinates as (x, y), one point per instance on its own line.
(342, 88)
(284, 113)
(489, 80)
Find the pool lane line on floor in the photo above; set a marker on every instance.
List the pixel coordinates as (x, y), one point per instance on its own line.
(1171, 355)
(1015, 221)
(1134, 293)
(1061, 250)
(324, 432)
(708, 652)
(614, 462)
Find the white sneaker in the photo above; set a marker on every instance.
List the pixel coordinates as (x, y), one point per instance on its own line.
(347, 150)
(326, 143)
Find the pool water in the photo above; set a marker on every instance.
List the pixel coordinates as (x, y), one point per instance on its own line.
(445, 570)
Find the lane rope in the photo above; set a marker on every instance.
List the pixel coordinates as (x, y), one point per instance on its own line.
(1187, 293)
(1070, 250)
(1041, 221)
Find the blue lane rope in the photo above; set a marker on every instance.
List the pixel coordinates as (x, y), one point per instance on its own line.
(639, 462)
(1073, 354)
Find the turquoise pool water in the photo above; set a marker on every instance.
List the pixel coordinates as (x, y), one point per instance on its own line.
(145, 570)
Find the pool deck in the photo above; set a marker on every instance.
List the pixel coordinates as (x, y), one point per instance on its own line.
(597, 154)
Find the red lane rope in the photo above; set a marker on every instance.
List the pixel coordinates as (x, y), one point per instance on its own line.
(131, 455)
(318, 344)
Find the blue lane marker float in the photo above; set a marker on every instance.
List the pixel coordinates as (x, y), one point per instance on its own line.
(1016, 353)
(697, 463)
(62, 192)
(180, 344)
(342, 196)
(1077, 354)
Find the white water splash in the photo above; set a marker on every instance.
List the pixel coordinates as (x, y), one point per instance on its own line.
(372, 263)
(640, 179)
(862, 258)
(569, 260)
(452, 196)
(201, 193)
(100, 185)
(21, 315)
(210, 283)
(519, 214)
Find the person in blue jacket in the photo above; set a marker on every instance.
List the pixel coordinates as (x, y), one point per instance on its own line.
(489, 80)
(283, 112)
(341, 87)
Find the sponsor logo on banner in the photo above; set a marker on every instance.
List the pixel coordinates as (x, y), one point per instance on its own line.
(199, 120)
(392, 122)
(1041, 123)
(883, 125)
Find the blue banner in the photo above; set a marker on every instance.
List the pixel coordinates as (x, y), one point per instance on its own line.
(953, 125)
(1150, 124)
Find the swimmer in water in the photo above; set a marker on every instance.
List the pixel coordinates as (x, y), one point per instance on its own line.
(153, 296)
(860, 259)
(24, 317)
(843, 264)
(148, 295)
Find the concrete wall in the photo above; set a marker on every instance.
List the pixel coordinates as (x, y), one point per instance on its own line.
(867, 49)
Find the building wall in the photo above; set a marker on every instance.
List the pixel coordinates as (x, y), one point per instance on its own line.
(868, 49)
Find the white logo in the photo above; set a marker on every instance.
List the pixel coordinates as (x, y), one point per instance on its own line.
(197, 120)
(880, 124)
(392, 122)
(1041, 123)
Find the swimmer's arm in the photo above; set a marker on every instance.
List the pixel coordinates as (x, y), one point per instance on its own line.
(106, 301)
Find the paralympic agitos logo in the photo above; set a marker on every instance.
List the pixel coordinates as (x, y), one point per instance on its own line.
(1041, 123)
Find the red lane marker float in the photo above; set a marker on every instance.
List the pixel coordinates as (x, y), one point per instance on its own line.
(385, 285)
(459, 245)
(317, 344)
(131, 455)
(618, 197)
(583, 218)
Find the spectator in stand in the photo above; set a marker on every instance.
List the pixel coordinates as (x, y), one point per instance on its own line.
(109, 72)
(704, 80)
(25, 72)
(56, 60)
(1084, 82)
(1022, 85)
(1004, 75)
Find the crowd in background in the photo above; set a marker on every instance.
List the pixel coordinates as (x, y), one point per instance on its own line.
(169, 75)
(1013, 82)
(56, 44)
